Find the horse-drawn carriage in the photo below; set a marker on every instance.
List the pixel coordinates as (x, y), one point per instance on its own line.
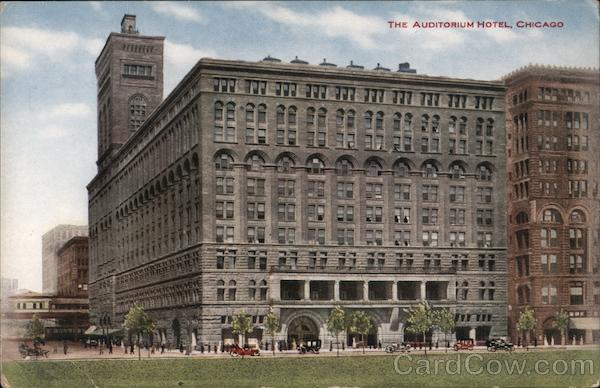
(35, 351)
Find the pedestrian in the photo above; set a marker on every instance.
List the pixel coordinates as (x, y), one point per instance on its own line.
(162, 348)
(65, 348)
(131, 349)
(215, 349)
(110, 347)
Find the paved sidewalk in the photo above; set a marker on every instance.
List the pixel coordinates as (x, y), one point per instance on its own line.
(76, 351)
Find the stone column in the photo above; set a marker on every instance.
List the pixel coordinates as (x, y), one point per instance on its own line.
(307, 289)
(336, 290)
(366, 290)
(423, 289)
(240, 202)
(395, 290)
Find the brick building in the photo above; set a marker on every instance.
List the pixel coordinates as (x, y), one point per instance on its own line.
(553, 136)
(297, 187)
(52, 241)
(73, 259)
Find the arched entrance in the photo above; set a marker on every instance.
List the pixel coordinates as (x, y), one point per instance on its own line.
(302, 329)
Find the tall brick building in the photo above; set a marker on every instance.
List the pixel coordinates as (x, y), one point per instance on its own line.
(52, 241)
(553, 170)
(297, 187)
(73, 262)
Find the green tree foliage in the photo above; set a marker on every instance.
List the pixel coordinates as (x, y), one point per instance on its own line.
(361, 324)
(140, 323)
(272, 326)
(242, 324)
(561, 322)
(336, 323)
(443, 319)
(34, 328)
(420, 320)
(526, 323)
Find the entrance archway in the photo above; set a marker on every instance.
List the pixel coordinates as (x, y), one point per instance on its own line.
(302, 329)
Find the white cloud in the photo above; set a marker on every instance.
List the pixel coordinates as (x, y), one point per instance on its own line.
(177, 10)
(23, 46)
(179, 59)
(336, 22)
(96, 5)
(69, 110)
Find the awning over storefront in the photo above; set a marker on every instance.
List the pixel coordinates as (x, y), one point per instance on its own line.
(589, 323)
(94, 331)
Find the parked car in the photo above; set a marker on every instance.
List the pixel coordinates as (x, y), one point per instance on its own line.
(312, 346)
(403, 348)
(499, 344)
(236, 350)
(464, 345)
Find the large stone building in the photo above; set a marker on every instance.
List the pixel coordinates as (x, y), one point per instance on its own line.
(52, 241)
(73, 263)
(296, 187)
(553, 171)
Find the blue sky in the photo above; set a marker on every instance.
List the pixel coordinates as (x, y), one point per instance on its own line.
(48, 125)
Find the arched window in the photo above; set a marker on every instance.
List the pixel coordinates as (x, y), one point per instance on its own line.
(263, 290)
(464, 290)
(435, 124)
(430, 170)
(280, 115)
(310, 116)
(344, 167)
(368, 120)
(373, 168)
(489, 127)
(255, 162)
(231, 292)
(316, 166)
(408, 122)
(484, 173)
(292, 116)
(339, 118)
(262, 114)
(397, 125)
(457, 171)
(220, 290)
(424, 123)
(452, 124)
(285, 164)
(379, 121)
(137, 112)
(577, 217)
(250, 113)
(462, 126)
(252, 290)
(552, 215)
(224, 161)
(350, 119)
(479, 127)
(401, 169)
(230, 111)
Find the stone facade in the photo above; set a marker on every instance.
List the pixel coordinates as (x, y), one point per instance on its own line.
(553, 130)
(52, 241)
(298, 187)
(73, 262)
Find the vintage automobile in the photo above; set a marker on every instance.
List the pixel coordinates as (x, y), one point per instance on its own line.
(464, 345)
(236, 350)
(403, 348)
(498, 344)
(36, 351)
(312, 346)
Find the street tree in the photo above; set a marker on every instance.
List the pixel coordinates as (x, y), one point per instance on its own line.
(526, 323)
(34, 329)
(242, 324)
(561, 322)
(272, 326)
(140, 323)
(443, 319)
(419, 321)
(336, 323)
(361, 324)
